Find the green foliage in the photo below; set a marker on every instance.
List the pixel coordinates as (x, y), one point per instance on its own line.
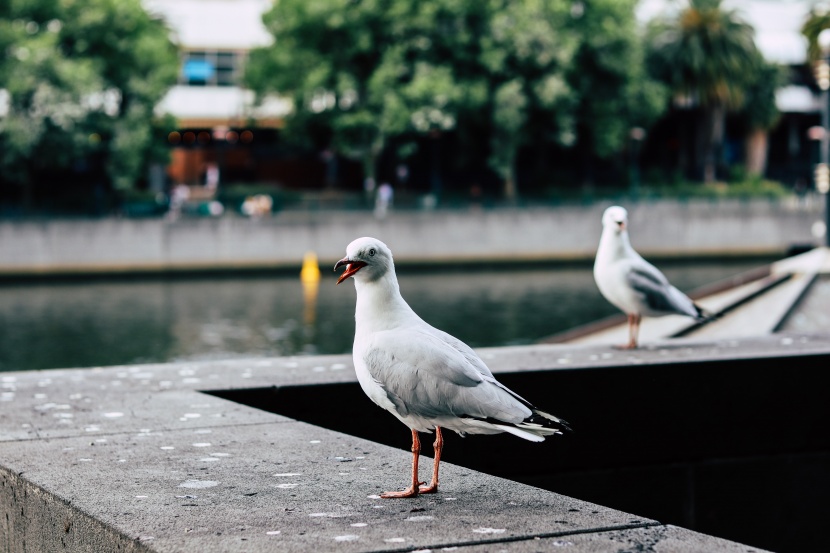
(519, 73)
(708, 53)
(370, 70)
(608, 75)
(817, 21)
(511, 60)
(759, 109)
(509, 117)
(708, 58)
(347, 67)
(82, 78)
(743, 189)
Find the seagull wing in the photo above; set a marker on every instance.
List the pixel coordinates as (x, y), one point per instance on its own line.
(424, 375)
(656, 292)
(462, 348)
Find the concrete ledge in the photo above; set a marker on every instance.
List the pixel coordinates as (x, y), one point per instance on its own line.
(659, 539)
(252, 480)
(38, 520)
(138, 459)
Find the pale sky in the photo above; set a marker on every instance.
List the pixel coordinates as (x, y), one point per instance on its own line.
(777, 23)
(237, 23)
(220, 24)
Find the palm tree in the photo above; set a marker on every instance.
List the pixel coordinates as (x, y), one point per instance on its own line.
(760, 114)
(817, 21)
(708, 57)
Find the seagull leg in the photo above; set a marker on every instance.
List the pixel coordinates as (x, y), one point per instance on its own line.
(412, 490)
(439, 447)
(633, 331)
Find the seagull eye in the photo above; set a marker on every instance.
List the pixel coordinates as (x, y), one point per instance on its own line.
(372, 251)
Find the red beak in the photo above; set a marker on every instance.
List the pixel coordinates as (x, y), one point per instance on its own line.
(352, 268)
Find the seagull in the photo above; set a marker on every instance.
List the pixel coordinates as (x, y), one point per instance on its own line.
(428, 379)
(633, 284)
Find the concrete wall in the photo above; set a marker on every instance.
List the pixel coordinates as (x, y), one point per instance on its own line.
(37, 521)
(659, 229)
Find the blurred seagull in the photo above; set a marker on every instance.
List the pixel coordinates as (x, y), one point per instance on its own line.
(630, 282)
(425, 377)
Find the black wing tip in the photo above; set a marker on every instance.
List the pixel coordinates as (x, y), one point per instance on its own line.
(704, 314)
(549, 421)
(538, 418)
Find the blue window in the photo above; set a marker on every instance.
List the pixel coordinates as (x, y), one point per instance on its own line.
(198, 71)
(212, 67)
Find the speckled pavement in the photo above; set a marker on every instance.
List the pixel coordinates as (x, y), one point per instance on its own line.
(137, 458)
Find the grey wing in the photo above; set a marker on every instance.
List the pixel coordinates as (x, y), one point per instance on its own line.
(463, 349)
(475, 361)
(656, 291)
(423, 375)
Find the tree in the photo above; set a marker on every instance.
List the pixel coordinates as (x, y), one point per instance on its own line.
(81, 83)
(525, 54)
(370, 70)
(761, 114)
(817, 21)
(615, 92)
(352, 68)
(707, 55)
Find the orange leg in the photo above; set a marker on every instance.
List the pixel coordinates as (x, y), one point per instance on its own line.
(412, 490)
(439, 447)
(633, 332)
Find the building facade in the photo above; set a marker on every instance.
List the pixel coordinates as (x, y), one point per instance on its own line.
(222, 133)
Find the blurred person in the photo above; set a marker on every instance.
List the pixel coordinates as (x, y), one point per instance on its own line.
(369, 189)
(178, 196)
(475, 196)
(257, 205)
(212, 176)
(329, 159)
(383, 200)
(800, 188)
(402, 172)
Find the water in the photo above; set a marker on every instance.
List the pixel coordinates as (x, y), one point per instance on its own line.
(84, 324)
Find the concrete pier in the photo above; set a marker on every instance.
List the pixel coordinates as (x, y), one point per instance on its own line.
(759, 303)
(140, 458)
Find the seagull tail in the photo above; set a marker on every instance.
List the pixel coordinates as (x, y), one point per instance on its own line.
(704, 314)
(516, 431)
(562, 424)
(535, 427)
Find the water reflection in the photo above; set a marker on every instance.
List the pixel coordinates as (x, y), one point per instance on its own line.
(51, 325)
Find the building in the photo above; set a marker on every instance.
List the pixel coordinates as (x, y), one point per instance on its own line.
(222, 134)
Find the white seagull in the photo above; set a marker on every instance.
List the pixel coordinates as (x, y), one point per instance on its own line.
(425, 377)
(630, 282)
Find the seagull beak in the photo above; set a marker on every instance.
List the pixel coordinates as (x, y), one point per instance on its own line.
(352, 268)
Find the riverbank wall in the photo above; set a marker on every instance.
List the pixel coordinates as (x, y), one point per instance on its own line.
(661, 229)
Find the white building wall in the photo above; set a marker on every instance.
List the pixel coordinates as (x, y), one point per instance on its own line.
(216, 25)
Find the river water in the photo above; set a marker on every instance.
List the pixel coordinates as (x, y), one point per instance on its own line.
(48, 325)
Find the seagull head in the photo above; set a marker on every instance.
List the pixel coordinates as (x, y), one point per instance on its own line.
(368, 256)
(615, 217)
